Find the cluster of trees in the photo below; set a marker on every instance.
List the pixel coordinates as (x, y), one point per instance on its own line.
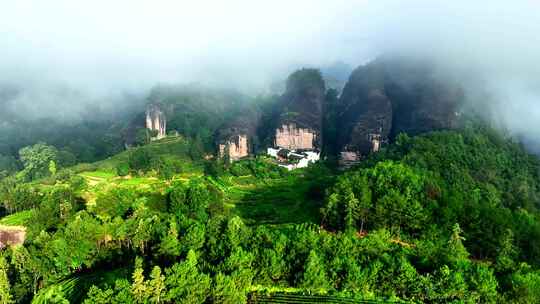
(179, 251)
(475, 182)
(141, 161)
(445, 217)
(34, 162)
(78, 141)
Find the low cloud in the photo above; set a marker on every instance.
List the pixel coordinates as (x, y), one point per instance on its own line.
(99, 49)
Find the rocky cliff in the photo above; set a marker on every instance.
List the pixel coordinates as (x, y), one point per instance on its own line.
(390, 96)
(236, 139)
(365, 118)
(299, 125)
(156, 120)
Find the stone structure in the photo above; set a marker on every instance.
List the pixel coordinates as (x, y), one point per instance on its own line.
(156, 120)
(235, 148)
(288, 136)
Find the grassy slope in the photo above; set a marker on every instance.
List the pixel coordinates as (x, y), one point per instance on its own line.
(258, 201)
(276, 201)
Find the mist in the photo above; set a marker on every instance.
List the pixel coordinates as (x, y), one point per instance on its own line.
(99, 51)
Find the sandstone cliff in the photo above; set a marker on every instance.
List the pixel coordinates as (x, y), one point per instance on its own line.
(156, 120)
(390, 96)
(236, 139)
(299, 124)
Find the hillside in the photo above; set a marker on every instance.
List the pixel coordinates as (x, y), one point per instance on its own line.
(447, 216)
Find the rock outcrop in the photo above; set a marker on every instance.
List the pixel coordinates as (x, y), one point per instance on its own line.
(156, 120)
(235, 148)
(390, 96)
(299, 123)
(236, 139)
(289, 136)
(297, 136)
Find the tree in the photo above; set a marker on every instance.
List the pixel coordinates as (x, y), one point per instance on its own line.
(140, 159)
(525, 285)
(456, 251)
(507, 253)
(36, 160)
(184, 282)
(483, 284)
(142, 136)
(190, 200)
(139, 289)
(52, 167)
(170, 244)
(5, 295)
(196, 149)
(314, 277)
(120, 294)
(225, 290)
(156, 286)
(122, 169)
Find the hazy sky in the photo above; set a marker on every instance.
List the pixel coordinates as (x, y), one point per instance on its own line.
(102, 47)
(119, 43)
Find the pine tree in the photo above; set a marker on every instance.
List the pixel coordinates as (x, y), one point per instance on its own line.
(5, 295)
(138, 287)
(156, 286)
(457, 253)
(507, 252)
(314, 274)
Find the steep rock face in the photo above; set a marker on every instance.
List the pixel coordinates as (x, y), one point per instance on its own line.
(366, 115)
(390, 96)
(236, 139)
(235, 148)
(288, 136)
(300, 114)
(156, 120)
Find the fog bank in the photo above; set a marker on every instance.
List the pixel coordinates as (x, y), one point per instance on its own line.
(99, 50)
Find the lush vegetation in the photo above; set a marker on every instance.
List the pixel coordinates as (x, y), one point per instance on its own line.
(444, 217)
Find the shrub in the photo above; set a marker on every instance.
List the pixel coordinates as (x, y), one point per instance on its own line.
(122, 169)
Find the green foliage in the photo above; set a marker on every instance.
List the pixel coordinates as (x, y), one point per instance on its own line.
(52, 168)
(190, 200)
(259, 168)
(525, 285)
(37, 160)
(391, 194)
(15, 196)
(409, 224)
(142, 136)
(185, 283)
(140, 160)
(116, 202)
(5, 289)
(314, 277)
(122, 169)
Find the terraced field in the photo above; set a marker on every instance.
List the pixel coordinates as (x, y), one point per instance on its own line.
(275, 298)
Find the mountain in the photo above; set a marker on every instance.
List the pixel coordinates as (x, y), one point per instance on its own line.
(390, 96)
